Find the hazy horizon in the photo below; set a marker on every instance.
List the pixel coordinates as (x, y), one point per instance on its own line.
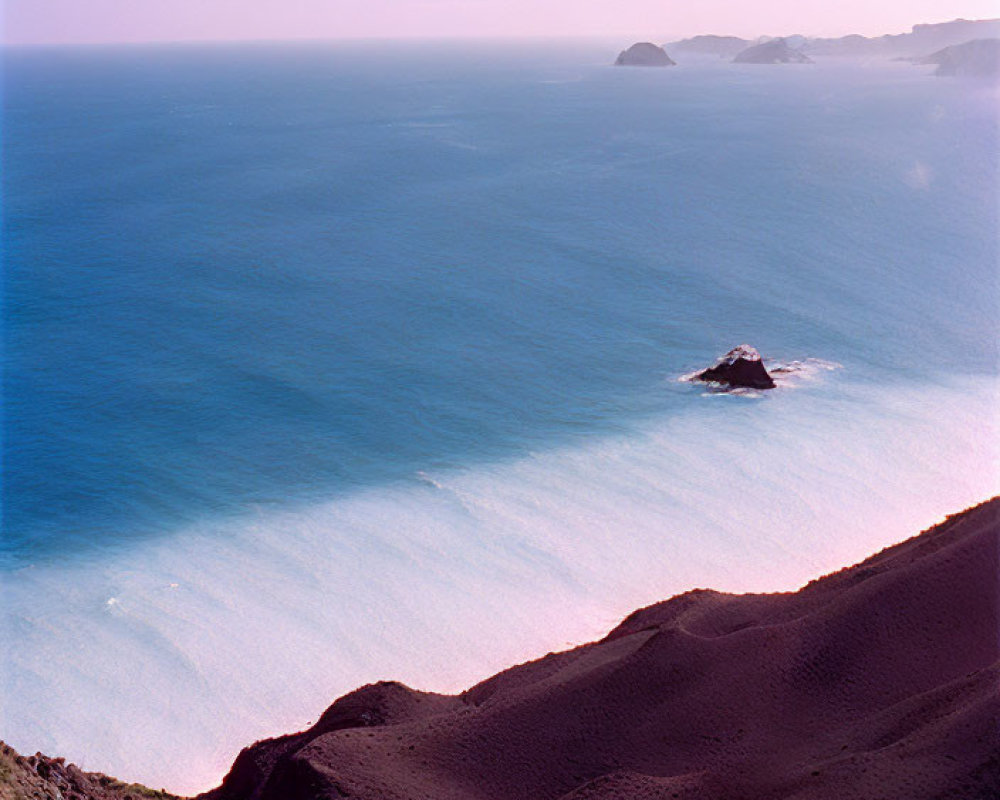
(46, 22)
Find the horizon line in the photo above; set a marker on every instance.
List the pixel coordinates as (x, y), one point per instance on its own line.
(450, 37)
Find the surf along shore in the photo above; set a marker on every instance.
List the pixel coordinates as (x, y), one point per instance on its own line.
(877, 680)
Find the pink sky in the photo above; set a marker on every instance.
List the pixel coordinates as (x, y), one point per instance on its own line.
(47, 21)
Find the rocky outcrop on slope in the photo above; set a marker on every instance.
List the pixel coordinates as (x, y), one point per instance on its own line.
(39, 777)
(876, 681)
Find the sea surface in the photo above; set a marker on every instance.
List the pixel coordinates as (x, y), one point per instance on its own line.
(332, 362)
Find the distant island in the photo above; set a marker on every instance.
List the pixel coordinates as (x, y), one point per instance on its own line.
(644, 54)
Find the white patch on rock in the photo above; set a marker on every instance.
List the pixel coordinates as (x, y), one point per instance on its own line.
(744, 351)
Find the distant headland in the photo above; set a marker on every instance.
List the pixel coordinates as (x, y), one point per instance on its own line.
(960, 48)
(921, 40)
(774, 51)
(979, 58)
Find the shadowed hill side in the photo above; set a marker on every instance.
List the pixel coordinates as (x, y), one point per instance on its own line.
(877, 681)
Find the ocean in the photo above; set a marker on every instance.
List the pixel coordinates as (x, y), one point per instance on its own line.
(332, 362)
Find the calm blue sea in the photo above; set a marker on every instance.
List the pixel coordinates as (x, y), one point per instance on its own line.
(392, 332)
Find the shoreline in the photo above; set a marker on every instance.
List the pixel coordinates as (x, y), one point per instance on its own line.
(377, 707)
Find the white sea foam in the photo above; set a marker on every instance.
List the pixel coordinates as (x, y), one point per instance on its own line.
(159, 663)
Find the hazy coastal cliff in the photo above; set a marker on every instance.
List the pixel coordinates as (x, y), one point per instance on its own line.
(709, 44)
(979, 58)
(776, 51)
(875, 681)
(919, 41)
